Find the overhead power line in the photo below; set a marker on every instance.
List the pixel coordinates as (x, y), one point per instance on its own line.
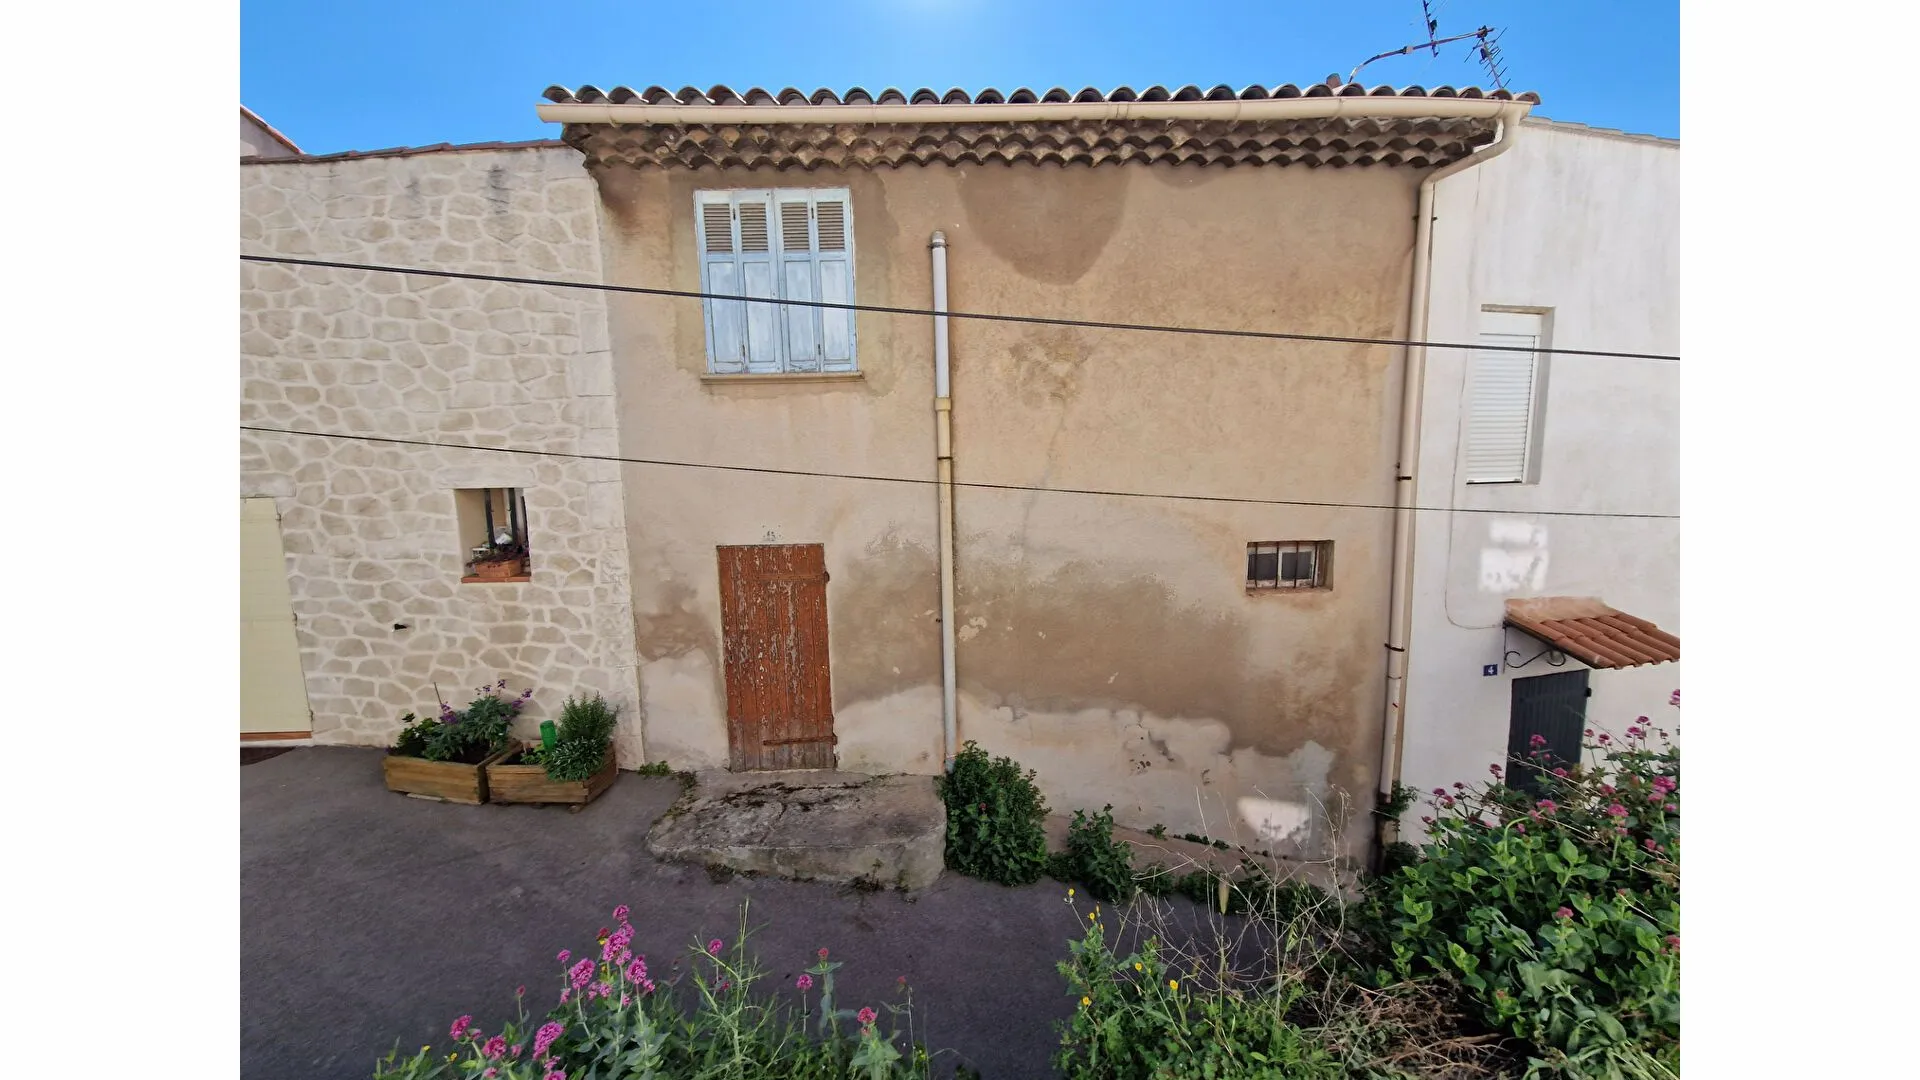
(767, 470)
(1039, 320)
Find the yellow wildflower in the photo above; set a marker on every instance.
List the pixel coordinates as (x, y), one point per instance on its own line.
(1069, 892)
(1085, 1001)
(1173, 984)
(1137, 967)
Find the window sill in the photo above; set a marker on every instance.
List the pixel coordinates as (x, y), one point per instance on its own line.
(1253, 590)
(785, 377)
(514, 580)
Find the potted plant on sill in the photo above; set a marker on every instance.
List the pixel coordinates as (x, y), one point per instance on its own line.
(498, 562)
(446, 757)
(570, 765)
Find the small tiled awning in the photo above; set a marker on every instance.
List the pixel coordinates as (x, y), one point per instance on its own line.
(1591, 632)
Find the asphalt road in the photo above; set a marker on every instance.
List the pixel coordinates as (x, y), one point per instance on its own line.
(368, 917)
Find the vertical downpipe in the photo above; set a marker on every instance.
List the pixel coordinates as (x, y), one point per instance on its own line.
(943, 449)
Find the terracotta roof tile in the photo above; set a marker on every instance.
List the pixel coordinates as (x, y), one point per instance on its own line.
(404, 151)
(1420, 142)
(1593, 633)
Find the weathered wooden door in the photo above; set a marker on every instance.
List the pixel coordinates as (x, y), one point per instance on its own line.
(773, 624)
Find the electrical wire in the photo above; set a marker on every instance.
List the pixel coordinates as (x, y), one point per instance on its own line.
(1040, 320)
(768, 470)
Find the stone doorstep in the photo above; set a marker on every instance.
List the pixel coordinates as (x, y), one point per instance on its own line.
(810, 824)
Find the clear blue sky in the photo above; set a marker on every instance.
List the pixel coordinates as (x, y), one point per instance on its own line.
(367, 74)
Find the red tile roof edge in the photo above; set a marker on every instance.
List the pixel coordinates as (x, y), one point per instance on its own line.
(1593, 633)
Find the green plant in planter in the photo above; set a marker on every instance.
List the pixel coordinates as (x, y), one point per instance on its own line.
(995, 819)
(464, 735)
(583, 741)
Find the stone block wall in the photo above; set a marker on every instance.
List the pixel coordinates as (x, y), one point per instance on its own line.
(369, 527)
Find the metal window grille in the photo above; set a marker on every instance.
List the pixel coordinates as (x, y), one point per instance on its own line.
(1289, 564)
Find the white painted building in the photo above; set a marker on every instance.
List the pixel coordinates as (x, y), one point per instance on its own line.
(1570, 238)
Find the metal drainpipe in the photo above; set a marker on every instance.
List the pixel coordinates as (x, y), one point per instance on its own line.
(1412, 396)
(943, 449)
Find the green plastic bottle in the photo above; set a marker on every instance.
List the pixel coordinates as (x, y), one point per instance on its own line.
(547, 735)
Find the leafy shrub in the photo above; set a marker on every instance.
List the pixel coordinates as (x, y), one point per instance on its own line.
(467, 735)
(995, 819)
(1137, 1018)
(584, 740)
(614, 1019)
(1559, 915)
(1095, 859)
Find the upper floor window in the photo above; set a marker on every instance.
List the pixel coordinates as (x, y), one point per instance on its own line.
(782, 244)
(1506, 399)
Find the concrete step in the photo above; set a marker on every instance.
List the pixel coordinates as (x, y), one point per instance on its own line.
(811, 825)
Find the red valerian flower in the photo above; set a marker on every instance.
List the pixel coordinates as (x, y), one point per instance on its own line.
(1563, 912)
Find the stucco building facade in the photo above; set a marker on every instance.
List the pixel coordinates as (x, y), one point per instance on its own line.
(1172, 552)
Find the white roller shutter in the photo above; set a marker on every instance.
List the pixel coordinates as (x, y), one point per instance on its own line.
(1503, 390)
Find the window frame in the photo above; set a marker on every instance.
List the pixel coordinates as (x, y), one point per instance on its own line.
(1321, 579)
(829, 277)
(1499, 324)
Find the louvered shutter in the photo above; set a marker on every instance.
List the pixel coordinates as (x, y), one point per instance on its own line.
(1502, 397)
(797, 275)
(833, 227)
(758, 277)
(720, 274)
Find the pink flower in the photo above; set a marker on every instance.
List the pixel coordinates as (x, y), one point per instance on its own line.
(626, 1000)
(545, 1037)
(1447, 802)
(1670, 808)
(1537, 740)
(1616, 810)
(1564, 912)
(495, 1047)
(1426, 820)
(459, 1026)
(1664, 783)
(1458, 786)
(714, 947)
(491, 1072)
(1562, 773)
(1603, 738)
(1674, 939)
(637, 971)
(581, 972)
(519, 991)
(566, 995)
(867, 1016)
(1606, 789)
(1675, 699)
(823, 954)
(1636, 732)
(1494, 769)
(564, 956)
(1520, 827)
(804, 982)
(1589, 733)
(1619, 832)
(724, 984)
(514, 1050)
(556, 1075)
(620, 913)
(1649, 844)
(1547, 806)
(1439, 793)
(646, 986)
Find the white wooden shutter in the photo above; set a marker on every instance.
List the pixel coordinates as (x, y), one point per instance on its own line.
(833, 228)
(758, 277)
(720, 274)
(797, 275)
(1502, 399)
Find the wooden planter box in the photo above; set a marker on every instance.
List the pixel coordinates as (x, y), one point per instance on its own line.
(448, 780)
(509, 783)
(500, 570)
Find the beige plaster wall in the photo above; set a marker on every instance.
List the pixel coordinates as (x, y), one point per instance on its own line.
(1108, 642)
(371, 532)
